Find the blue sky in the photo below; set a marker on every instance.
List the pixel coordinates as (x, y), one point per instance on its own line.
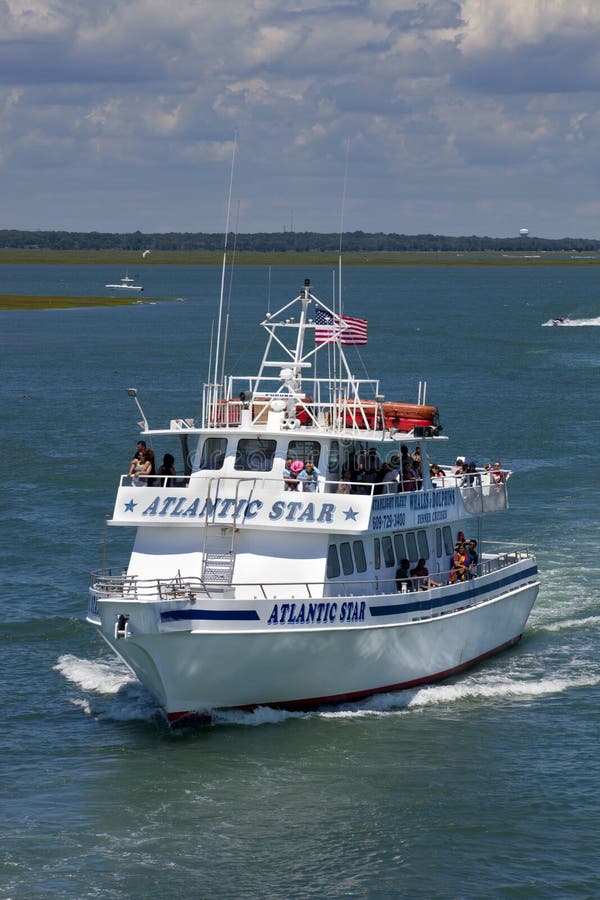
(448, 116)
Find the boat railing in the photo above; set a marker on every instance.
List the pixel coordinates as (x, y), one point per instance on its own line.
(353, 404)
(116, 584)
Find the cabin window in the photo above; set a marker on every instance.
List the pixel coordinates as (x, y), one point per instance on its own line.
(346, 557)
(377, 552)
(333, 458)
(305, 451)
(439, 549)
(448, 542)
(388, 551)
(423, 544)
(255, 455)
(411, 546)
(359, 556)
(399, 547)
(213, 453)
(333, 562)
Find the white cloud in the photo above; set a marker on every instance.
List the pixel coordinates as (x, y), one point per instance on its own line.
(452, 109)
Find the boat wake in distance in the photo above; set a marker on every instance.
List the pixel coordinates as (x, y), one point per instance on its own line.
(564, 321)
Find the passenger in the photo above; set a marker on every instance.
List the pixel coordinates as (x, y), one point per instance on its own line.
(167, 468)
(458, 467)
(287, 474)
(470, 471)
(149, 467)
(140, 448)
(364, 478)
(309, 476)
(420, 575)
(291, 472)
(436, 471)
(459, 564)
(142, 467)
(410, 477)
(388, 477)
(135, 468)
(403, 579)
(473, 558)
(497, 473)
(344, 485)
(418, 475)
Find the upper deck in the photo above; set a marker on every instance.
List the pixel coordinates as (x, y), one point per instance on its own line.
(306, 406)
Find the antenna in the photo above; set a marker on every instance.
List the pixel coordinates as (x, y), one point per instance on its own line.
(220, 319)
(342, 211)
(229, 292)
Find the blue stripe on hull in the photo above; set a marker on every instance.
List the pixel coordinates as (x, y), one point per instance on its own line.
(229, 615)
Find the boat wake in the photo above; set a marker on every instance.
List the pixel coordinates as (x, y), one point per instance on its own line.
(568, 624)
(572, 323)
(111, 693)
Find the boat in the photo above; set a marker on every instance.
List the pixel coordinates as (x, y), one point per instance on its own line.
(251, 584)
(561, 320)
(125, 284)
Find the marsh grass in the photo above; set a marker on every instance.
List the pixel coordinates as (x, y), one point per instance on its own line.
(205, 258)
(23, 301)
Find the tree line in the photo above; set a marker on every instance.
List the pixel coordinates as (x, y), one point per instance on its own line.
(284, 241)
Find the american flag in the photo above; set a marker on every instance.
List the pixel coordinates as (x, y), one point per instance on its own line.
(345, 328)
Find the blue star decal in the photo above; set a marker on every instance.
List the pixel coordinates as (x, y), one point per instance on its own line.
(129, 506)
(351, 514)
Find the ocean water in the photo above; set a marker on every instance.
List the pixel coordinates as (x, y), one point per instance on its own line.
(484, 786)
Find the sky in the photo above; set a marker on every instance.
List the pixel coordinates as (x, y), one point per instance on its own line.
(453, 117)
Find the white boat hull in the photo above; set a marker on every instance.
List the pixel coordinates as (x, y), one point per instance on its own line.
(125, 287)
(196, 671)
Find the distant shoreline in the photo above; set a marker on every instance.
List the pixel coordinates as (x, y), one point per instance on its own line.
(124, 258)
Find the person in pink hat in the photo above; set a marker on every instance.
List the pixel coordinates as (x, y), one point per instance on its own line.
(291, 472)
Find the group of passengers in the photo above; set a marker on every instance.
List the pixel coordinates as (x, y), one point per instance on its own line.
(365, 473)
(465, 562)
(300, 476)
(465, 559)
(142, 468)
(414, 579)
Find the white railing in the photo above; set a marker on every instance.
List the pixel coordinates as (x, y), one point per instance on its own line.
(115, 583)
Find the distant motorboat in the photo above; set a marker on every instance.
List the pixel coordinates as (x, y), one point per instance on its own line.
(560, 320)
(126, 284)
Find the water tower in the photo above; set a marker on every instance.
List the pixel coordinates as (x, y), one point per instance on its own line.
(524, 232)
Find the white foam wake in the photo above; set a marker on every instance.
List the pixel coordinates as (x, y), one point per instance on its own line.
(565, 624)
(573, 323)
(103, 677)
(401, 702)
(111, 691)
(128, 700)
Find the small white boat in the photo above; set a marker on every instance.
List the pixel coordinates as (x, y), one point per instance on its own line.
(560, 320)
(251, 584)
(125, 284)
